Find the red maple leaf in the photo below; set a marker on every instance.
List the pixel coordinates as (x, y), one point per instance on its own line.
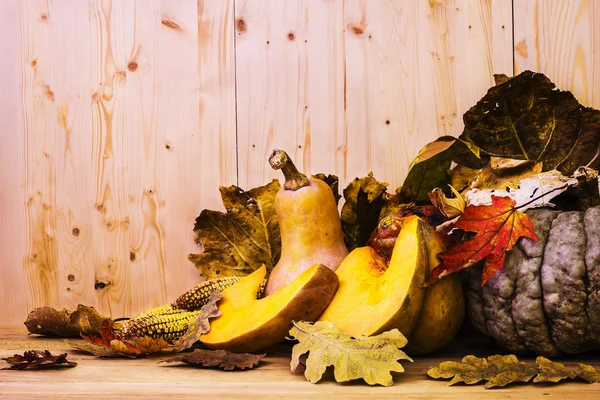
(497, 228)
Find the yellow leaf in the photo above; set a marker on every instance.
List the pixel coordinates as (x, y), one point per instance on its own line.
(448, 207)
(368, 358)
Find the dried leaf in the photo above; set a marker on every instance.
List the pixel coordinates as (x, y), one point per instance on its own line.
(497, 228)
(200, 324)
(64, 323)
(35, 359)
(383, 238)
(449, 207)
(368, 358)
(109, 343)
(470, 371)
(588, 373)
(333, 182)
(218, 358)
(364, 199)
(496, 175)
(239, 241)
(535, 191)
(500, 371)
(504, 370)
(430, 168)
(497, 370)
(526, 117)
(552, 371)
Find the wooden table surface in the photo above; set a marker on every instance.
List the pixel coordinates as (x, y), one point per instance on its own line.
(105, 378)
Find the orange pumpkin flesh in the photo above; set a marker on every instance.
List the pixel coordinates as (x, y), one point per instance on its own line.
(372, 299)
(248, 324)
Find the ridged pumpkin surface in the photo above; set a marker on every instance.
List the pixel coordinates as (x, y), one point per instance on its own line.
(546, 299)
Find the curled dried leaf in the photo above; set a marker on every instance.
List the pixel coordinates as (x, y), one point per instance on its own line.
(588, 373)
(364, 199)
(449, 207)
(218, 358)
(35, 359)
(200, 324)
(109, 343)
(552, 371)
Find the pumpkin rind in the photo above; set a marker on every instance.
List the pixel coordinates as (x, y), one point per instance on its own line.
(563, 273)
(546, 299)
(528, 308)
(592, 262)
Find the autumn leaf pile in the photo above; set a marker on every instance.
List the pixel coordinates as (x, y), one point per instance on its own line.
(525, 144)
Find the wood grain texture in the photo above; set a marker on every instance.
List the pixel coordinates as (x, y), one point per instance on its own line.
(105, 378)
(562, 40)
(290, 86)
(357, 86)
(13, 283)
(126, 131)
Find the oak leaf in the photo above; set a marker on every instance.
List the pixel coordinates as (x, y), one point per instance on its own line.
(499, 371)
(218, 358)
(588, 373)
(551, 371)
(200, 324)
(246, 236)
(497, 228)
(369, 358)
(35, 359)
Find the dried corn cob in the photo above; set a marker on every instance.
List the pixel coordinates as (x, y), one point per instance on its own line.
(196, 297)
(169, 327)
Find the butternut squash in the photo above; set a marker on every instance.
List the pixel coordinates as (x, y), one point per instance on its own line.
(309, 222)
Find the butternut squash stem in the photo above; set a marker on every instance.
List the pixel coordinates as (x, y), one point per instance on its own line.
(294, 179)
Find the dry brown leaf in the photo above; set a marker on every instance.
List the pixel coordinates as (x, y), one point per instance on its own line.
(588, 373)
(34, 359)
(200, 324)
(500, 371)
(449, 207)
(109, 343)
(218, 358)
(503, 175)
(552, 371)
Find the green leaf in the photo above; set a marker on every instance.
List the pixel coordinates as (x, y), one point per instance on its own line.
(526, 117)
(364, 199)
(430, 168)
(368, 358)
(238, 242)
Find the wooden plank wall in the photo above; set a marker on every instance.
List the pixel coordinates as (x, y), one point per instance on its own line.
(119, 119)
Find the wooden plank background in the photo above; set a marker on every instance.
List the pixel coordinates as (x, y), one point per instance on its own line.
(119, 119)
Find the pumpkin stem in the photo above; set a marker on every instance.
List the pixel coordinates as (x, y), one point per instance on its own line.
(294, 179)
